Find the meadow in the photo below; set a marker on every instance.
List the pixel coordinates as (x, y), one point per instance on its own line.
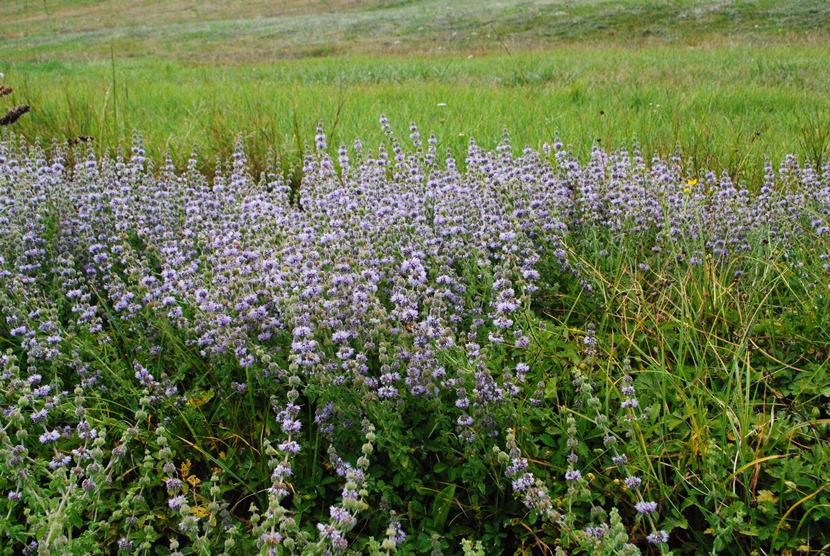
(409, 277)
(732, 86)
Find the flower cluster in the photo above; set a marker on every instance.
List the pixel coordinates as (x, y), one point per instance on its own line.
(389, 275)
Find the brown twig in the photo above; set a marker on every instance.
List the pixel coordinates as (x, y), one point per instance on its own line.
(14, 114)
(81, 139)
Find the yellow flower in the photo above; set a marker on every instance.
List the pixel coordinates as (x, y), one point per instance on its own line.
(199, 511)
(766, 496)
(690, 182)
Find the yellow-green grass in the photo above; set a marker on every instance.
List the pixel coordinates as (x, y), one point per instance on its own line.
(729, 108)
(732, 83)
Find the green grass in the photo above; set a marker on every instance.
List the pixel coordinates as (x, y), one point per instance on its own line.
(731, 83)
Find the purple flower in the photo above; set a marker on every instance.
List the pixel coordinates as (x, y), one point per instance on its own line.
(291, 425)
(633, 482)
(658, 537)
(524, 482)
(340, 515)
(290, 446)
(282, 471)
(143, 375)
(629, 403)
(645, 507)
(173, 484)
(573, 475)
(620, 460)
(49, 436)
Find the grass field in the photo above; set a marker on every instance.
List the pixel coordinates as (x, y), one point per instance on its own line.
(731, 83)
(260, 30)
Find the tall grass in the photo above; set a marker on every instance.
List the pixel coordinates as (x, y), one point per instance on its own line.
(726, 108)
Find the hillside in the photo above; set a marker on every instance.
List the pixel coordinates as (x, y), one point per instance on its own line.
(261, 30)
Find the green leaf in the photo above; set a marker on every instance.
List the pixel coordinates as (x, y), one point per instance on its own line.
(441, 506)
